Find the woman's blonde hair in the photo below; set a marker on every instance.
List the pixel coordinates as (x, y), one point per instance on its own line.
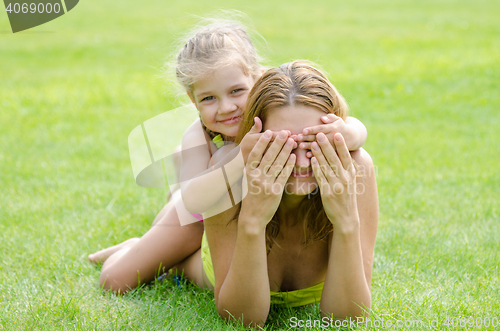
(291, 84)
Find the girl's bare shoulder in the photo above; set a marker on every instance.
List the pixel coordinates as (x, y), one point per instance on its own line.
(195, 135)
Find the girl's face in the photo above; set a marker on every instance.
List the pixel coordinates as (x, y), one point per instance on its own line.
(296, 119)
(221, 99)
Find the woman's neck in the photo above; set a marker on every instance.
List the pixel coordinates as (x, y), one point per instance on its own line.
(289, 207)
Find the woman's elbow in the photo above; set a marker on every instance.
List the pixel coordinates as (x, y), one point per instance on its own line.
(354, 311)
(250, 317)
(244, 319)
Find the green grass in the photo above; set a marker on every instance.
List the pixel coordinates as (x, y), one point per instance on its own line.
(422, 76)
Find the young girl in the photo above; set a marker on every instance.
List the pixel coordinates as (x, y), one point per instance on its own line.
(218, 67)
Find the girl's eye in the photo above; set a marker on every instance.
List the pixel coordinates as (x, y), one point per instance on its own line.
(207, 98)
(237, 90)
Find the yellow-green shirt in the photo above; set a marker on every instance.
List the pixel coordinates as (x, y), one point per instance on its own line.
(291, 298)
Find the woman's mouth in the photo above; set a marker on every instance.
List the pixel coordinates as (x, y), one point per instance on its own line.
(231, 120)
(302, 173)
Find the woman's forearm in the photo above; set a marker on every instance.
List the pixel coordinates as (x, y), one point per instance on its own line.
(245, 293)
(346, 292)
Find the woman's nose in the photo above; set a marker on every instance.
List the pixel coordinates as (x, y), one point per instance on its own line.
(302, 161)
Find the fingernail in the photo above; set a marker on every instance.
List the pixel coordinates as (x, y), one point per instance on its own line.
(325, 118)
(321, 136)
(315, 146)
(268, 134)
(306, 132)
(338, 137)
(289, 142)
(282, 135)
(313, 160)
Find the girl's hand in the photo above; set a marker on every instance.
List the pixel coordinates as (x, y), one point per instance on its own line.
(266, 175)
(336, 177)
(248, 142)
(333, 125)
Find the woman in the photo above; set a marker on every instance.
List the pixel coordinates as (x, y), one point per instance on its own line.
(288, 242)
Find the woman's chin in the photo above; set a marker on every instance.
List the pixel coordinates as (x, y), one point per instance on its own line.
(300, 187)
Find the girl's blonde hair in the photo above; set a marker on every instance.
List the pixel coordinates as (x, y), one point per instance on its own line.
(216, 44)
(220, 43)
(295, 83)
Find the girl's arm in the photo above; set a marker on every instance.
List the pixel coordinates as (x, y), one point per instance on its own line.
(239, 249)
(202, 182)
(200, 176)
(353, 131)
(346, 293)
(356, 133)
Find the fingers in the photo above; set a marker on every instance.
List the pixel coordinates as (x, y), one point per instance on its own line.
(309, 137)
(327, 168)
(328, 151)
(276, 134)
(342, 151)
(318, 173)
(327, 127)
(273, 151)
(329, 118)
(306, 145)
(309, 133)
(255, 156)
(282, 158)
(257, 127)
(313, 130)
(286, 172)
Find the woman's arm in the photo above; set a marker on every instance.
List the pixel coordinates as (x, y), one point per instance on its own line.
(242, 286)
(346, 293)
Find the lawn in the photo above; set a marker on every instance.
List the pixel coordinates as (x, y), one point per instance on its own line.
(424, 77)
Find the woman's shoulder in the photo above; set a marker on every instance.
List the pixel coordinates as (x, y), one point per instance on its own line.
(366, 171)
(361, 156)
(363, 160)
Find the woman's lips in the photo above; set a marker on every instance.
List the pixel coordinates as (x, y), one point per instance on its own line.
(303, 173)
(232, 120)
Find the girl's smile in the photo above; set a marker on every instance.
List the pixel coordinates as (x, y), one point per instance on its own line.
(231, 120)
